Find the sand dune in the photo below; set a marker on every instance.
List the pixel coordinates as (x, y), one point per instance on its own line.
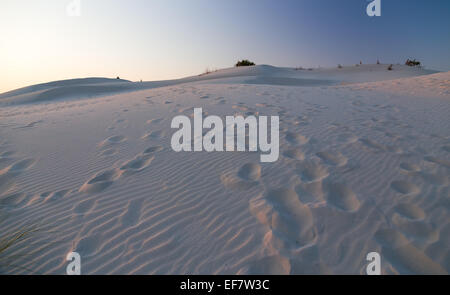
(263, 74)
(364, 166)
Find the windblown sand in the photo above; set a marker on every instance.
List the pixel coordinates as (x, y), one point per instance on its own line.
(364, 166)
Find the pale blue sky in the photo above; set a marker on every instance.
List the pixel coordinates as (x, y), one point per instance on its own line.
(164, 39)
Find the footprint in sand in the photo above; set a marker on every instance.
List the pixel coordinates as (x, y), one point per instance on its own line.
(250, 172)
(54, 196)
(234, 182)
(132, 213)
(439, 161)
(240, 107)
(339, 195)
(246, 177)
(8, 174)
(347, 138)
(296, 154)
(310, 192)
(409, 167)
(221, 101)
(84, 206)
(18, 167)
(88, 246)
(155, 121)
(154, 135)
(290, 221)
(410, 211)
(100, 181)
(405, 187)
(153, 149)
(296, 139)
(139, 163)
(13, 200)
(309, 262)
(394, 149)
(110, 141)
(404, 256)
(311, 171)
(418, 231)
(372, 144)
(332, 159)
(434, 178)
(300, 123)
(108, 152)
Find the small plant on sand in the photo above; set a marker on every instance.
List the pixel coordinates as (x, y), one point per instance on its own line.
(412, 63)
(208, 71)
(339, 66)
(244, 63)
(378, 61)
(18, 247)
(8, 258)
(390, 67)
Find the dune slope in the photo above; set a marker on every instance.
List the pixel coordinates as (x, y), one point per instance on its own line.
(364, 166)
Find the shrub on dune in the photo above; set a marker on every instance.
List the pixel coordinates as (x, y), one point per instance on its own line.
(412, 63)
(244, 63)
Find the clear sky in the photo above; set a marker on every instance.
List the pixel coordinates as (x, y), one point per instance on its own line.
(164, 39)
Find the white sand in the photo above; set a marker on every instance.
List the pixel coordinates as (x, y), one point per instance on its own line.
(364, 166)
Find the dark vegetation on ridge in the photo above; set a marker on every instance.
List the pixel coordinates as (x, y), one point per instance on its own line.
(244, 63)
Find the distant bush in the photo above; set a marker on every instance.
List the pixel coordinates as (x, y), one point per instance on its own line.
(244, 63)
(339, 66)
(412, 63)
(378, 61)
(390, 68)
